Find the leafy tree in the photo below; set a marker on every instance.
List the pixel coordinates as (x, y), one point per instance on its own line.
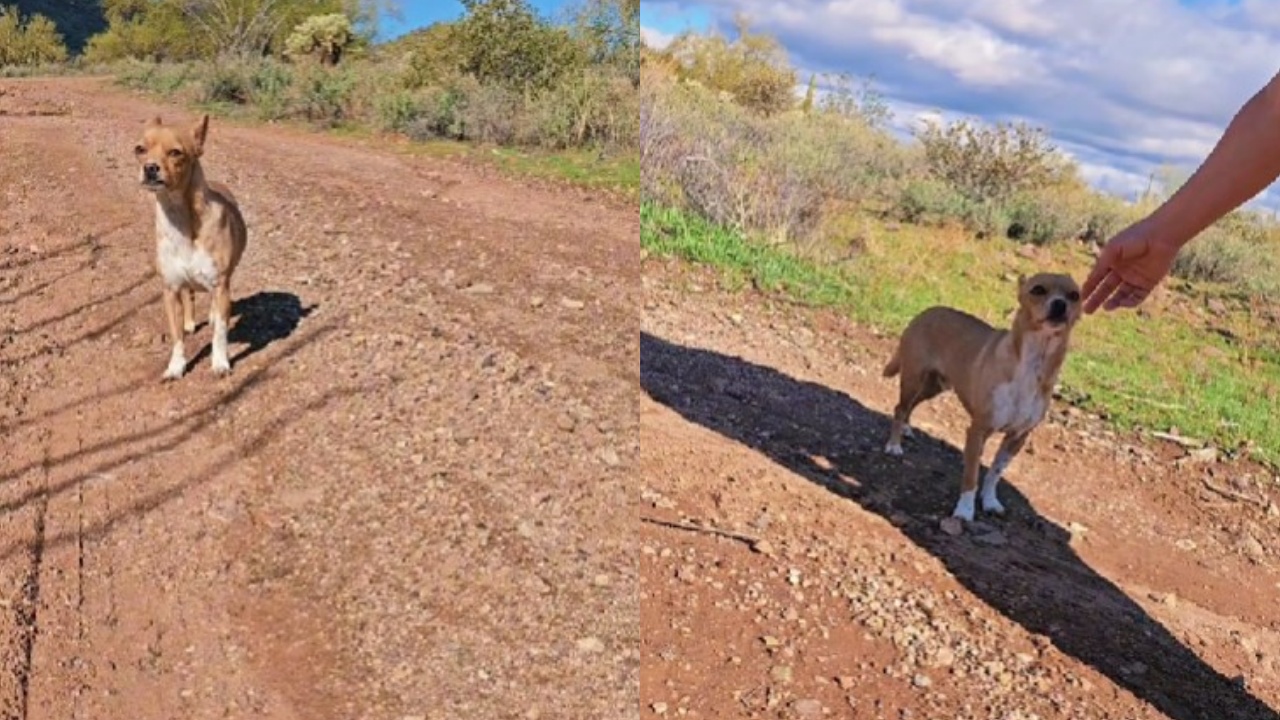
(505, 42)
(32, 42)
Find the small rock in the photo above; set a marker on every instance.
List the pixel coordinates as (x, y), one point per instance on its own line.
(781, 673)
(478, 289)
(770, 641)
(1164, 598)
(952, 526)
(591, 645)
(847, 682)
(1186, 544)
(537, 301)
(764, 547)
(659, 708)
(571, 304)
(921, 681)
(609, 457)
(566, 422)
(807, 708)
(944, 657)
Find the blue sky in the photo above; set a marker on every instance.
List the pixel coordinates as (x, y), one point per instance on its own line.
(1124, 87)
(420, 13)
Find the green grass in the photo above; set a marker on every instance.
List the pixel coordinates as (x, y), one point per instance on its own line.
(1169, 370)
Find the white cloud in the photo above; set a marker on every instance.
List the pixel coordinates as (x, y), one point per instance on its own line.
(1127, 86)
(655, 39)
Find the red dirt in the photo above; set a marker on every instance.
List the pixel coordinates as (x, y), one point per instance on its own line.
(1126, 581)
(403, 503)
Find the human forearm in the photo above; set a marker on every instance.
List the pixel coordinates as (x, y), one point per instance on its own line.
(1244, 162)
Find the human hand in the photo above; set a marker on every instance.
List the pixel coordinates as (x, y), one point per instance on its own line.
(1129, 268)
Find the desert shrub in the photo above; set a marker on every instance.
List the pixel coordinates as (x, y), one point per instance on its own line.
(398, 110)
(991, 163)
(441, 115)
(325, 37)
(926, 201)
(269, 85)
(588, 108)
(772, 175)
(504, 42)
(324, 95)
(226, 83)
(1221, 256)
(32, 41)
(752, 69)
(433, 57)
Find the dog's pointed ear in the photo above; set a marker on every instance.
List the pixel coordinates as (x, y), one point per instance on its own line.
(1022, 280)
(154, 122)
(200, 132)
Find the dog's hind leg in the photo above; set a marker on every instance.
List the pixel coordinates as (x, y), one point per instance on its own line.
(220, 319)
(915, 388)
(1009, 447)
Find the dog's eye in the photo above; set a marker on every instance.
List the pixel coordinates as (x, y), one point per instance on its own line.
(138, 150)
(175, 153)
(1073, 296)
(1039, 290)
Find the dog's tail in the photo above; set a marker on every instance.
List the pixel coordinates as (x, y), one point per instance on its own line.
(893, 367)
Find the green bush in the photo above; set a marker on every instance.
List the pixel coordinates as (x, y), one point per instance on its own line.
(926, 201)
(269, 86)
(226, 83)
(325, 95)
(1222, 256)
(398, 110)
(992, 163)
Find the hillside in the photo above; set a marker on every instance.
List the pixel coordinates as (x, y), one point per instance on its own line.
(77, 20)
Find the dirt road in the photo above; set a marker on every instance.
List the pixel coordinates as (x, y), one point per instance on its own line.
(401, 504)
(790, 569)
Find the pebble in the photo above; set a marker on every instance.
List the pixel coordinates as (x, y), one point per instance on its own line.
(591, 645)
(781, 673)
(571, 304)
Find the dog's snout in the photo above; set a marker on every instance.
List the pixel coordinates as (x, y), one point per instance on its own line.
(152, 170)
(1057, 308)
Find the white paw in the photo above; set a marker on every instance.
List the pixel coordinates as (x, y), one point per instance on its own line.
(175, 369)
(964, 507)
(221, 366)
(907, 431)
(894, 449)
(189, 327)
(991, 505)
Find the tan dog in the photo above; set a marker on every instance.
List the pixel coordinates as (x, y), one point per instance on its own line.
(200, 235)
(1004, 378)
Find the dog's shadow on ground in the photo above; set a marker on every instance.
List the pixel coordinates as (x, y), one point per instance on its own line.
(1035, 579)
(259, 320)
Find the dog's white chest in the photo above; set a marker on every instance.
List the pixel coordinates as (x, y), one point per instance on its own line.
(181, 263)
(1019, 405)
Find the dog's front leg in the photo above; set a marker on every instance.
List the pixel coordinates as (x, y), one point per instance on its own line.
(188, 310)
(173, 313)
(1009, 447)
(975, 440)
(220, 318)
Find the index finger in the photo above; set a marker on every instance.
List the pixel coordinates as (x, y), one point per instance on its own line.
(1103, 290)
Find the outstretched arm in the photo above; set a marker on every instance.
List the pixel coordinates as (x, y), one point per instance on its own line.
(1245, 160)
